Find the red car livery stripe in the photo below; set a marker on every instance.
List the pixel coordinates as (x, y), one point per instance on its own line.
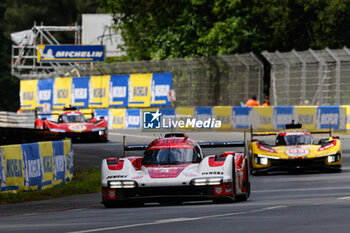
(160, 171)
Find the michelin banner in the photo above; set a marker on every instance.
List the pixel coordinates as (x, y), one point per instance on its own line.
(44, 93)
(328, 115)
(139, 90)
(135, 90)
(241, 117)
(33, 171)
(118, 118)
(204, 114)
(80, 92)
(282, 115)
(28, 94)
(223, 114)
(35, 166)
(99, 87)
(62, 92)
(118, 90)
(12, 161)
(306, 115)
(70, 53)
(160, 87)
(133, 118)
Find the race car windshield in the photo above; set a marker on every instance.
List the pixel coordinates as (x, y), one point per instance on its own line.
(66, 118)
(170, 156)
(290, 140)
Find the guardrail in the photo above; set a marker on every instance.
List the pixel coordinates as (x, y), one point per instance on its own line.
(20, 120)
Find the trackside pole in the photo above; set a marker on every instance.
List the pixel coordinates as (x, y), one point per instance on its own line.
(124, 144)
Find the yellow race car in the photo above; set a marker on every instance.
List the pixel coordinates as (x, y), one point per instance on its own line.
(294, 150)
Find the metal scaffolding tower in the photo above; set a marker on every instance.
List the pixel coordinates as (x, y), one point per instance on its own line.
(24, 63)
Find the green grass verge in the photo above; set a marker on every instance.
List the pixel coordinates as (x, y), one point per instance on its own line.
(83, 182)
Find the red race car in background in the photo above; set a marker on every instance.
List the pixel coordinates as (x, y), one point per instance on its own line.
(73, 124)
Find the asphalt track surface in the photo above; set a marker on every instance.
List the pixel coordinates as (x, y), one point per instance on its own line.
(305, 202)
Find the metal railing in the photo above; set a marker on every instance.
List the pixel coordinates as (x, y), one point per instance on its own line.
(310, 77)
(222, 80)
(21, 120)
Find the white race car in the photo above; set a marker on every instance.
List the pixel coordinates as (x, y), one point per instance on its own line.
(172, 170)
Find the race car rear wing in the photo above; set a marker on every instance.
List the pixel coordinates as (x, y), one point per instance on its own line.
(201, 144)
(70, 108)
(252, 134)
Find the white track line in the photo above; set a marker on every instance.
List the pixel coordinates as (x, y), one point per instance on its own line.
(175, 220)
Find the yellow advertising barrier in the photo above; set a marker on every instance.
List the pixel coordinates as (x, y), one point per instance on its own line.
(13, 179)
(28, 94)
(62, 92)
(223, 114)
(262, 118)
(183, 114)
(46, 155)
(99, 89)
(118, 118)
(140, 90)
(306, 115)
(68, 159)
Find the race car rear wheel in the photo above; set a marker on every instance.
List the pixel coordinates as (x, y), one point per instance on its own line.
(246, 184)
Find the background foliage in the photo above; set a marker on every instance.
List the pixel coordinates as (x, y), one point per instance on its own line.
(164, 29)
(186, 28)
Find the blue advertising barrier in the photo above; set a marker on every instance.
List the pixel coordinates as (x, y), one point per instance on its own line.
(282, 115)
(326, 115)
(118, 90)
(80, 92)
(102, 113)
(33, 171)
(45, 92)
(241, 117)
(161, 85)
(204, 114)
(132, 118)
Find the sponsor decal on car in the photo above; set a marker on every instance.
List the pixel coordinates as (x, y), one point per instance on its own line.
(297, 152)
(117, 176)
(218, 190)
(77, 127)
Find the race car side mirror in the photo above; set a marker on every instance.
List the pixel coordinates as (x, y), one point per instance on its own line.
(335, 137)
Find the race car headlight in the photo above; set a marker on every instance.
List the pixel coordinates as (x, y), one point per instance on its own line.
(264, 161)
(261, 160)
(333, 158)
(57, 130)
(103, 132)
(97, 129)
(117, 184)
(207, 181)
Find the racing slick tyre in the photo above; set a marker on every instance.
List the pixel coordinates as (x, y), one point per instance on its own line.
(246, 184)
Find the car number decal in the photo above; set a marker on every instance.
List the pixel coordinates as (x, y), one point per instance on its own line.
(77, 127)
(297, 152)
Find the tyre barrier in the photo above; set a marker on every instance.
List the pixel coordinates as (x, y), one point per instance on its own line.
(35, 166)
